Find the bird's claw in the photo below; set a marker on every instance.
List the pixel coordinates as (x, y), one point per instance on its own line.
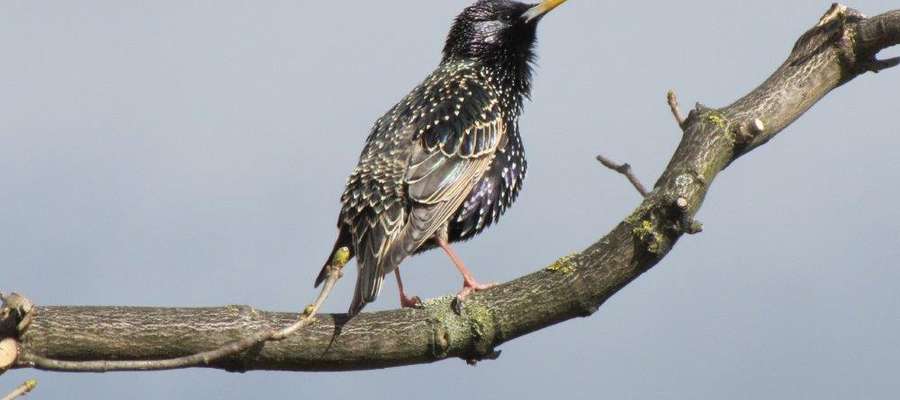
(411, 302)
(467, 290)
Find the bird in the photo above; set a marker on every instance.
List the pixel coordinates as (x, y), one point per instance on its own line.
(446, 161)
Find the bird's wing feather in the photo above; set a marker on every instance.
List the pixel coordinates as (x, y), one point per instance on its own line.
(438, 183)
(452, 129)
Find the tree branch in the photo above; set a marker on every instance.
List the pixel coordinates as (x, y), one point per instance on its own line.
(625, 169)
(842, 46)
(208, 357)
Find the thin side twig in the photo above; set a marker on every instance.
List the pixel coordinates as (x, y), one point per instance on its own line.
(334, 274)
(342, 256)
(22, 390)
(624, 169)
(672, 99)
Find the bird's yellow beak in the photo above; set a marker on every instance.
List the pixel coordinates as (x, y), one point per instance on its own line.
(541, 9)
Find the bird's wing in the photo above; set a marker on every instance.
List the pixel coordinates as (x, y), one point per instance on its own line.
(446, 162)
(455, 130)
(439, 182)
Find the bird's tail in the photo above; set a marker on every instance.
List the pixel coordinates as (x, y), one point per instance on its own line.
(375, 264)
(370, 274)
(360, 299)
(344, 240)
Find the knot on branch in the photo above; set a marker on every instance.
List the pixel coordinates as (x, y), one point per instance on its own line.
(741, 131)
(483, 327)
(668, 214)
(746, 132)
(440, 340)
(468, 330)
(833, 29)
(650, 227)
(838, 28)
(702, 114)
(16, 314)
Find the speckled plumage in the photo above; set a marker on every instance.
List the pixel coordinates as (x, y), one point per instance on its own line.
(447, 160)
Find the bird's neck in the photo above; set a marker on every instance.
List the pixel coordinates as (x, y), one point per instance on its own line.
(509, 73)
(514, 76)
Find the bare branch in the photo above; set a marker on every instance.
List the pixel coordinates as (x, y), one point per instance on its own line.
(624, 169)
(841, 47)
(204, 358)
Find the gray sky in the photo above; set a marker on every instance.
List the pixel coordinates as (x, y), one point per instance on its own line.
(179, 153)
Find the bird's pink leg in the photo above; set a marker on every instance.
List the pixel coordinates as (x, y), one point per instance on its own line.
(470, 285)
(406, 302)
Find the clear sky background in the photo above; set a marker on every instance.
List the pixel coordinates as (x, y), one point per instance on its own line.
(188, 153)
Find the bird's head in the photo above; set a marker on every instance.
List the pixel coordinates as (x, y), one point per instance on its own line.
(497, 31)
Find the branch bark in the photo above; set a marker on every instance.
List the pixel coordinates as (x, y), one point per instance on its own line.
(839, 48)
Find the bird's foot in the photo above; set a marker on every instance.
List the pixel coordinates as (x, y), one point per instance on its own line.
(410, 302)
(472, 287)
(469, 287)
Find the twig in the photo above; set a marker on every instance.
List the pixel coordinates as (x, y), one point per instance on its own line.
(22, 390)
(676, 110)
(624, 169)
(341, 257)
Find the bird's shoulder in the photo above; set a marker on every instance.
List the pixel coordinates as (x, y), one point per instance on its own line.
(454, 101)
(455, 113)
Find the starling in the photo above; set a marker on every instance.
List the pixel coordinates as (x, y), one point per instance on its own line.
(446, 161)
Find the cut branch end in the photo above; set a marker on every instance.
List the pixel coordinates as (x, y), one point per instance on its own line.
(9, 352)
